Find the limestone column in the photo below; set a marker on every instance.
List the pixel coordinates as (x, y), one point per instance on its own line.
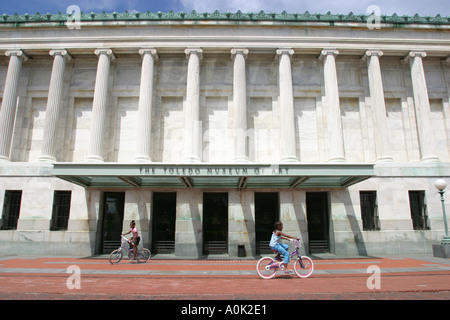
(422, 106)
(192, 142)
(144, 126)
(9, 102)
(286, 107)
(240, 105)
(96, 140)
(335, 134)
(378, 105)
(53, 105)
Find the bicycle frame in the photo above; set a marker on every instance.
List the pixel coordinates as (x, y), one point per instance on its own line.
(123, 246)
(291, 256)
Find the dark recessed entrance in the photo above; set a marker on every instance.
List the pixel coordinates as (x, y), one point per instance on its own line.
(163, 222)
(215, 223)
(266, 214)
(113, 206)
(317, 215)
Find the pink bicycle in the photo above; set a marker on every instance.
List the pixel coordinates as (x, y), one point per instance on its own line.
(267, 267)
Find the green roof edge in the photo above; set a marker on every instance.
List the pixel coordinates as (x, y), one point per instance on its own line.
(218, 16)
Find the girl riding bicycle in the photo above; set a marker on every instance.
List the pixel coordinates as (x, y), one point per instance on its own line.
(134, 241)
(280, 247)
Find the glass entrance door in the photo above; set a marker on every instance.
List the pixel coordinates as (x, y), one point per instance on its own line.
(113, 207)
(163, 222)
(266, 214)
(317, 215)
(215, 223)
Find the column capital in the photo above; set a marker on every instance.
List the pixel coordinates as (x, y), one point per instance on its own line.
(372, 53)
(196, 51)
(152, 51)
(327, 52)
(415, 54)
(282, 51)
(236, 51)
(108, 52)
(17, 53)
(62, 52)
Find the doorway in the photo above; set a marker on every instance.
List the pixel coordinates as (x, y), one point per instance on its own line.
(318, 226)
(266, 214)
(163, 222)
(215, 223)
(113, 208)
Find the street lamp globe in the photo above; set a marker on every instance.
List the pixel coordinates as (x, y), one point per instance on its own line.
(440, 184)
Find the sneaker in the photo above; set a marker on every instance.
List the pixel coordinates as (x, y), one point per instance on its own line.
(289, 272)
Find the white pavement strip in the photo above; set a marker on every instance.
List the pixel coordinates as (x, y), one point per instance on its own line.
(426, 268)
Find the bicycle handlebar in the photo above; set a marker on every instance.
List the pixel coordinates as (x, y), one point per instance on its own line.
(296, 242)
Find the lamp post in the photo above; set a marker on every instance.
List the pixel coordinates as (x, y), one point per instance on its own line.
(441, 184)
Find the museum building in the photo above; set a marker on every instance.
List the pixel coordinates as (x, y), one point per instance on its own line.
(206, 128)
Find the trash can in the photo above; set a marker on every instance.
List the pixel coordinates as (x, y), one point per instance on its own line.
(241, 251)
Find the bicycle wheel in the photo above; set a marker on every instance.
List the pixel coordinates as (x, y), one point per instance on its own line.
(304, 267)
(115, 256)
(143, 255)
(266, 268)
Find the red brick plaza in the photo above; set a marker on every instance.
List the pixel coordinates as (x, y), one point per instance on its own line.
(70, 278)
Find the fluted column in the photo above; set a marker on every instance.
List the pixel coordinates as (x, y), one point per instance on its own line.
(286, 106)
(9, 102)
(378, 105)
(53, 105)
(422, 106)
(192, 142)
(96, 140)
(335, 134)
(240, 105)
(144, 126)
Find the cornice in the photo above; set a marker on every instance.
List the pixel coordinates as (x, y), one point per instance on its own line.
(61, 19)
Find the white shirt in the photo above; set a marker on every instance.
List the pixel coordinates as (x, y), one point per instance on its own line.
(274, 240)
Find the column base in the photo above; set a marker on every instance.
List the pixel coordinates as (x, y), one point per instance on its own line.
(430, 159)
(94, 159)
(289, 159)
(241, 160)
(384, 159)
(4, 159)
(143, 159)
(45, 158)
(191, 159)
(337, 159)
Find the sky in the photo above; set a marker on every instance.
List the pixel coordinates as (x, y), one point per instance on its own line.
(386, 7)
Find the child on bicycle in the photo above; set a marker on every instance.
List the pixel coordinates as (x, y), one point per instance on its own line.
(280, 247)
(134, 240)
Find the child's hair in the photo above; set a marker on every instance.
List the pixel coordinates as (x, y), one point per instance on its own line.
(132, 222)
(277, 225)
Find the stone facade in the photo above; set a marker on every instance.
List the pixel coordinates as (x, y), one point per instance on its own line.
(220, 92)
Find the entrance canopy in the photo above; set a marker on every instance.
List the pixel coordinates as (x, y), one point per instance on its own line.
(160, 175)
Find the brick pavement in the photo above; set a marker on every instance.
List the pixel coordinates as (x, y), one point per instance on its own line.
(30, 278)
